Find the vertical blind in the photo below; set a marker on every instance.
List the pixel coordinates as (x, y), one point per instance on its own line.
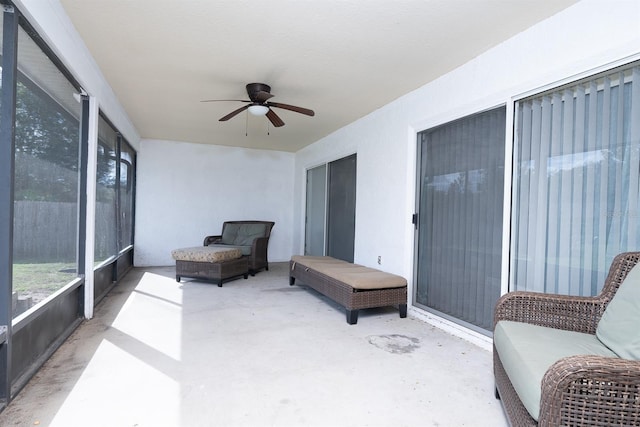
(576, 183)
(460, 218)
(341, 208)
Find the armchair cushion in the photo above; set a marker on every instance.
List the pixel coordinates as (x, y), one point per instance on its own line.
(618, 328)
(527, 351)
(594, 387)
(242, 234)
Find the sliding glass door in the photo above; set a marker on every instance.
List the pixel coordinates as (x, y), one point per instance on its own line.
(315, 219)
(341, 209)
(576, 183)
(330, 218)
(459, 230)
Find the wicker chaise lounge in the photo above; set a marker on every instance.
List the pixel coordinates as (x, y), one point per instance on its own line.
(251, 237)
(350, 285)
(571, 361)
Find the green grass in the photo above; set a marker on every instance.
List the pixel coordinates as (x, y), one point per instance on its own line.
(41, 277)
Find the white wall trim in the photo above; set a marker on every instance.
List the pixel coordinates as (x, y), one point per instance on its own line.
(454, 329)
(575, 77)
(411, 208)
(507, 199)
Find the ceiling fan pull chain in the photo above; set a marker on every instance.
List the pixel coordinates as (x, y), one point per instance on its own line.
(246, 126)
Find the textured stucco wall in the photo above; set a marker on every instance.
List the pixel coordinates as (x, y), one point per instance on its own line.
(185, 192)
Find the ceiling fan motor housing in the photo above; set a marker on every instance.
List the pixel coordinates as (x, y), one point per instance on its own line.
(253, 89)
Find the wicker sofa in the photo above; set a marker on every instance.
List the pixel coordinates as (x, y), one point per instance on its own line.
(251, 237)
(571, 361)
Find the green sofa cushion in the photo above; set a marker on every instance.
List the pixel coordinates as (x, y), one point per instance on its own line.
(618, 328)
(247, 233)
(527, 351)
(242, 234)
(229, 232)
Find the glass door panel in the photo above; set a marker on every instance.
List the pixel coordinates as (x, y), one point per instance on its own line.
(460, 218)
(314, 238)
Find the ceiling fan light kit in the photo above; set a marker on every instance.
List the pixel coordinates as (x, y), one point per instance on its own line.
(258, 110)
(259, 94)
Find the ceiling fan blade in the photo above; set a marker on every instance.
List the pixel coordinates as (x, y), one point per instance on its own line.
(261, 96)
(225, 100)
(233, 113)
(274, 118)
(292, 108)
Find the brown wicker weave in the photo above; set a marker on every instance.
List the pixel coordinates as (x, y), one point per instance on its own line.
(351, 299)
(576, 390)
(218, 272)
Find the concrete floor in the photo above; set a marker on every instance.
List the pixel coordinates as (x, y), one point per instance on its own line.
(255, 352)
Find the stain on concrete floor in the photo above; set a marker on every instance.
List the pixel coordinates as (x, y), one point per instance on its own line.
(394, 343)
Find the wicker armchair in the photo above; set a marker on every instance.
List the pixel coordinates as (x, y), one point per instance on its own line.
(576, 390)
(253, 248)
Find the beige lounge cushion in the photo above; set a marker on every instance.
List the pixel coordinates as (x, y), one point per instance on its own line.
(206, 254)
(354, 275)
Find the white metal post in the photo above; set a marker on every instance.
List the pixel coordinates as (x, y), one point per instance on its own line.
(91, 207)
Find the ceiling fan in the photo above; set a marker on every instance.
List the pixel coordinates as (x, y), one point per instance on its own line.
(259, 94)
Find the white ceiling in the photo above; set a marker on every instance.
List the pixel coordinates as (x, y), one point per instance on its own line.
(341, 58)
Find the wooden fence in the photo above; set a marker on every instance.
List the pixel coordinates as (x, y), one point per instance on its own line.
(46, 232)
